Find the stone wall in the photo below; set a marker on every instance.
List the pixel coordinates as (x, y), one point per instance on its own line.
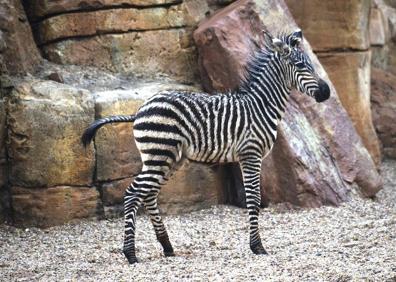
(339, 34)
(105, 57)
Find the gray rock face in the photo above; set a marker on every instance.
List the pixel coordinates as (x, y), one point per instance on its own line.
(45, 121)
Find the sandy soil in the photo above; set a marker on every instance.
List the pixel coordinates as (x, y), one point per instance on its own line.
(354, 242)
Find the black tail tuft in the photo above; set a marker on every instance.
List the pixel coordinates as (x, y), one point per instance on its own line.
(89, 133)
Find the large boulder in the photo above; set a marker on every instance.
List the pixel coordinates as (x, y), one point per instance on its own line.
(383, 101)
(331, 146)
(350, 73)
(18, 51)
(52, 206)
(45, 121)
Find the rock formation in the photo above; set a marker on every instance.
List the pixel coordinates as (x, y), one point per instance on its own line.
(318, 153)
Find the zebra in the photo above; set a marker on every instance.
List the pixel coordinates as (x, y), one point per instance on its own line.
(237, 126)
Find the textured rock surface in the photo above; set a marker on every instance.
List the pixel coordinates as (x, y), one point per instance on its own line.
(45, 121)
(350, 73)
(18, 51)
(41, 8)
(305, 171)
(121, 20)
(379, 28)
(384, 54)
(149, 54)
(56, 205)
(227, 38)
(383, 99)
(334, 136)
(335, 24)
(193, 187)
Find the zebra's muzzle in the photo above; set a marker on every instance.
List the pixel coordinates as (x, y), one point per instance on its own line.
(323, 92)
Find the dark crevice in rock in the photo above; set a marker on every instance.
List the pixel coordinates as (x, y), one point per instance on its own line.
(94, 9)
(108, 33)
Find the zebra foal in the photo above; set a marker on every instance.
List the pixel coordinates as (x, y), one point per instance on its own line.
(239, 126)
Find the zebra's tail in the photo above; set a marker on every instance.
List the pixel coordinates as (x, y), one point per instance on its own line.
(89, 133)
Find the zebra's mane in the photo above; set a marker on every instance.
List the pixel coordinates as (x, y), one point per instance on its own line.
(259, 59)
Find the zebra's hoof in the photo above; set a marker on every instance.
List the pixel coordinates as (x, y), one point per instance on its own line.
(258, 250)
(131, 258)
(169, 254)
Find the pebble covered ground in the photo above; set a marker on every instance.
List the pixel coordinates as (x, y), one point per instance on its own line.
(354, 242)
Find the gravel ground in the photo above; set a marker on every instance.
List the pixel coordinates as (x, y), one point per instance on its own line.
(354, 242)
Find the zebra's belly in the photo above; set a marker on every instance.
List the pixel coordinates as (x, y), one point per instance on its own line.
(220, 154)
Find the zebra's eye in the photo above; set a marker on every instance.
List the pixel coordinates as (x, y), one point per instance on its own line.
(300, 65)
(295, 42)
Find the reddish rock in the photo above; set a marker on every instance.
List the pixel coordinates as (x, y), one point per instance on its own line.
(331, 154)
(383, 103)
(243, 35)
(53, 206)
(18, 51)
(334, 24)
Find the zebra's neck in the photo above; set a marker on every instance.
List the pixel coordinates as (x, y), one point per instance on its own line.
(267, 85)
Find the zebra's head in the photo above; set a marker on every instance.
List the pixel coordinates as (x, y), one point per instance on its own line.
(300, 71)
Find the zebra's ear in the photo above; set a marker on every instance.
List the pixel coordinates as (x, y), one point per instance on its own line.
(296, 38)
(280, 47)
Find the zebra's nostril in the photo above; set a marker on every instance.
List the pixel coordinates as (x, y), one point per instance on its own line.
(323, 93)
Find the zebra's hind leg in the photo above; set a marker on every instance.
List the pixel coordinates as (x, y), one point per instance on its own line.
(146, 182)
(251, 168)
(150, 204)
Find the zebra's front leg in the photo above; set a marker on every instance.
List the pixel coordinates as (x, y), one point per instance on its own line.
(251, 168)
(150, 204)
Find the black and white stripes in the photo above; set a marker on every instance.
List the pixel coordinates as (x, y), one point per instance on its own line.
(239, 126)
